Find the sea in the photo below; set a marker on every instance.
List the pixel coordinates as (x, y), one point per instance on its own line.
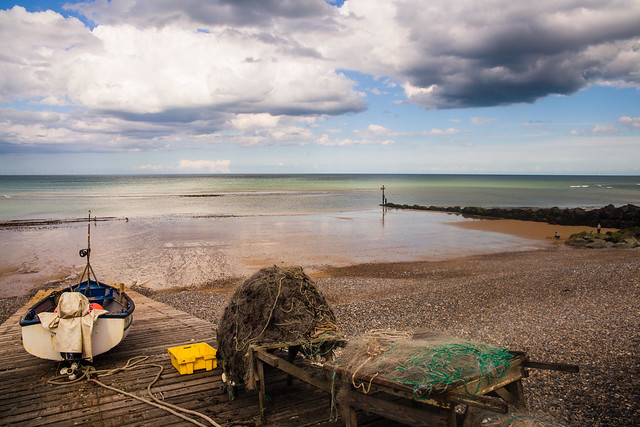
(149, 196)
(167, 231)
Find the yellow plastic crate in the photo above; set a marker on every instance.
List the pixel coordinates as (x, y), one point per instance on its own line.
(189, 358)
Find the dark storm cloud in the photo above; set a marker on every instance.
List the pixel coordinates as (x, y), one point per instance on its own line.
(497, 53)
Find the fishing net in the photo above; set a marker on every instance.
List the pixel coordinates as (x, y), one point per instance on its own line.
(425, 361)
(275, 305)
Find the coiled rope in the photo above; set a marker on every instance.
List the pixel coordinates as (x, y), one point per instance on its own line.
(90, 374)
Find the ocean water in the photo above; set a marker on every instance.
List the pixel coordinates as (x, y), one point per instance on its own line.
(190, 230)
(153, 196)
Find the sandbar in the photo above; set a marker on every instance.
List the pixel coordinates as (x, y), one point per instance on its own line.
(526, 229)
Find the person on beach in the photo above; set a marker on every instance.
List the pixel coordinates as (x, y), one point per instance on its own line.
(557, 235)
(599, 228)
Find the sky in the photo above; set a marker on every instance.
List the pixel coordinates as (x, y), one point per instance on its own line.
(315, 86)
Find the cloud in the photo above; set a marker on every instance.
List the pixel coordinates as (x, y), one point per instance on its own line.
(37, 53)
(604, 129)
(264, 120)
(151, 168)
(448, 131)
(473, 54)
(325, 140)
(376, 131)
(479, 121)
(151, 75)
(84, 130)
(151, 13)
(632, 122)
(205, 165)
(282, 57)
(124, 69)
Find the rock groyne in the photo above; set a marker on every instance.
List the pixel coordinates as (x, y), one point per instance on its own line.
(609, 216)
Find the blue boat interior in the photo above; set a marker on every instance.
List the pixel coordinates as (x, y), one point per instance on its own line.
(96, 292)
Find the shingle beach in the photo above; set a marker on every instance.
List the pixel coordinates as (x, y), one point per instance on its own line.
(576, 306)
(559, 305)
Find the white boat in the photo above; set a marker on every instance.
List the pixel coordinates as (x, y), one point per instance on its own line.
(78, 322)
(109, 329)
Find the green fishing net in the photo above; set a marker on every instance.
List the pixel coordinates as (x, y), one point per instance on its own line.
(425, 361)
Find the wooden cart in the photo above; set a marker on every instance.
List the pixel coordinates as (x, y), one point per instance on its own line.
(399, 402)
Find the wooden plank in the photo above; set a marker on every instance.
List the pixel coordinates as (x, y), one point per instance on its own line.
(397, 389)
(563, 367)
(482, 402)
(423, 416)
(292, 369)
(27, 400)
(261, 391)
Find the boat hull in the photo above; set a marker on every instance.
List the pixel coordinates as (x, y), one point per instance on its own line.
(106, 334)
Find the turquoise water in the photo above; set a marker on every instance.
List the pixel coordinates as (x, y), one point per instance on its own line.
(151, 196)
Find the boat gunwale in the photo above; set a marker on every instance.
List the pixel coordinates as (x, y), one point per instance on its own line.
(31, 316)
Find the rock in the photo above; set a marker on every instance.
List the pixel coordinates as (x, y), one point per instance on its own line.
(627, 216)
(597, 244)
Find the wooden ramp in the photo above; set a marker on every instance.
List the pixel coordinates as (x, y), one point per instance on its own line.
(27, 399)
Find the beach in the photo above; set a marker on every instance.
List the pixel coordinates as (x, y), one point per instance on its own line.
(171, 252)
(575, 306)
(559, 304)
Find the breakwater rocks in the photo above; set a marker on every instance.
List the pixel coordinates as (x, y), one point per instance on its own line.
(626, 216)
(626, 238)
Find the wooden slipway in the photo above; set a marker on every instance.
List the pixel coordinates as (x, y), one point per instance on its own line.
(27, 399)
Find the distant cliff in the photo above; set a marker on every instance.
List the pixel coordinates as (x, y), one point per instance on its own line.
(626, 216)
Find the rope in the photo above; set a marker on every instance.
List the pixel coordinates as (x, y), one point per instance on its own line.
(91, 374)
(445, 364)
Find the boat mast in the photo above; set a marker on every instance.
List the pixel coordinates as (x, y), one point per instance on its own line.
(88, 270)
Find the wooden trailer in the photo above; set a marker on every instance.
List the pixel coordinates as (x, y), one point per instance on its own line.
(458, 404)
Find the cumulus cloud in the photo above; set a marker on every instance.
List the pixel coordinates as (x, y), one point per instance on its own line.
(281, 57)
(469, 54)
(377, 131)
(84, 130)
(205, 165)
(604, 129)
(149, 74)
(123, 68)
(264, 120)
(632, 122)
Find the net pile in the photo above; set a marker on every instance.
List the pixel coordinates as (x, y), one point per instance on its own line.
(275, 305)
(424, 361)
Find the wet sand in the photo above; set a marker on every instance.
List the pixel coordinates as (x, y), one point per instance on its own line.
(527, 229)
(178, 252)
